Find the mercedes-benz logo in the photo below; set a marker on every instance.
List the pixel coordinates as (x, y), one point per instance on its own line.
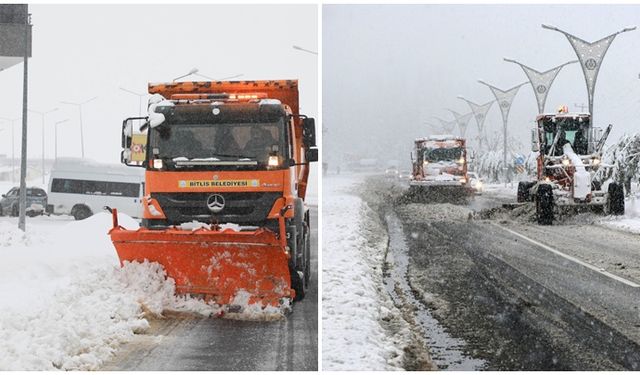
(541, 89)
(215, 203)
(590, 64)
(504, 104)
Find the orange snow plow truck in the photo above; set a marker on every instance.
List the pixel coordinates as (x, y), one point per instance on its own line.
(227, 165)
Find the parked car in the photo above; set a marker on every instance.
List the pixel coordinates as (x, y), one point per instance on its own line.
(404, 174)
(36, 202)
(475, 182)
(391, 172)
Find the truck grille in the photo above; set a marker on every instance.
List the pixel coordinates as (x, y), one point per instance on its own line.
(249, 208)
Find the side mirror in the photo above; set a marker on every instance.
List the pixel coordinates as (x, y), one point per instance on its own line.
(127, 132)
(311, 155)
(309, 132)
(133, 142)
(535, 146)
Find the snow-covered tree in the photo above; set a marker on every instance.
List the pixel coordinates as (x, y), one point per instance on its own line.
(624, 155)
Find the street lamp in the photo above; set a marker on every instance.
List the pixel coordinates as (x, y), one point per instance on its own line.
(79, 105)
(480, 114)
(13, 149)
(56, 137)
(140, 96)
(590, 55)
(305, 50)
(192, 71)
(196, 72)
(218, 79)
(541, 81)
(504, 98)
(42, 115)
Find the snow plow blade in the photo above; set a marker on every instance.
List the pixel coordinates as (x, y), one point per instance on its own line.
(437, 194)
(217, 265)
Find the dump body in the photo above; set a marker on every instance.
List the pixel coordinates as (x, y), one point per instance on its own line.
(440, 168)
(233, 153)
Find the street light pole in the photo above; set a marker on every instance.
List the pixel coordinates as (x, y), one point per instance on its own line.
(42, 115)
(22, 225)
(504, 99)
(56, 137)
(480, 114)
(79, 105)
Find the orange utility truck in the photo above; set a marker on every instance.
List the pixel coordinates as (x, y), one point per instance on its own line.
(227, 165)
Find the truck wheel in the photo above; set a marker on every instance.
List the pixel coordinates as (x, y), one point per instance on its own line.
(524, 192)
(307, 255)
(15, 210)
(298, 284)
(616, 199)
(80, 212)
(544, 205)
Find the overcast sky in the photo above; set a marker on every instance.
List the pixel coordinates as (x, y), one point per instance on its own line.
(389, 68)
(82, 51)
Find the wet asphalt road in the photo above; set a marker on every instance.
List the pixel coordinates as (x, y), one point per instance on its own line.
(528, 297)
(188, 343)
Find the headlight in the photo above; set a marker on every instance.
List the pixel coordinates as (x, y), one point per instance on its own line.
(460, 161)
(595, 162)
(478, 185)
(157, 163)
(274, 161)
(566, 162)
(463, 180)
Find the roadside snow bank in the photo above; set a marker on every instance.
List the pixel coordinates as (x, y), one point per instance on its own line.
(65, 302)
(630, 221)
(354, 301)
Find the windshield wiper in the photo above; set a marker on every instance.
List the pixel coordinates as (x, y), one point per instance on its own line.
(213, 160)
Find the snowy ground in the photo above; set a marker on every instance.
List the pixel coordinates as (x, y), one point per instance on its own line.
(630, 222)
(354, 302)
(501, 190)
(65, 302)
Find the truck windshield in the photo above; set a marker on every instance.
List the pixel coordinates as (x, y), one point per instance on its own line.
(245, 141)
(442, 154)
(572, 130)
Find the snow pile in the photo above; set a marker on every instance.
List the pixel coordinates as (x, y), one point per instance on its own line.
(65, 302)
(435, 212)
(10, 235)
(501, 190)
(354, 301)
(630, 221)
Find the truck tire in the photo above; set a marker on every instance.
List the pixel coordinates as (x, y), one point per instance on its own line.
(81, 212)
(298, 284)
(544, 205)
(616, 199)
(307, 255)
(524, 191)
(15, 210)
